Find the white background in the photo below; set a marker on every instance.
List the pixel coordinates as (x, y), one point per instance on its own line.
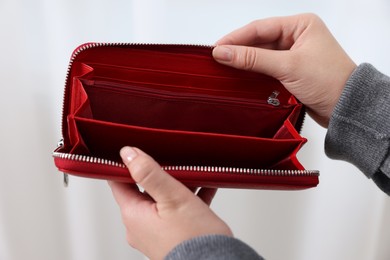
(346, 217)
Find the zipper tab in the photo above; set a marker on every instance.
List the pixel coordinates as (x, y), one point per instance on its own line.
(273, 99)
(60, 143)
(66, 180)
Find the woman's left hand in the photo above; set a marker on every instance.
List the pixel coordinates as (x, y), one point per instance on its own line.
(167, 212)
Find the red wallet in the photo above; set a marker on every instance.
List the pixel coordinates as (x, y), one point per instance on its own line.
(206, 124)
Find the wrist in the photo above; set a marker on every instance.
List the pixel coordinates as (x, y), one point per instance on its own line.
(338, 87)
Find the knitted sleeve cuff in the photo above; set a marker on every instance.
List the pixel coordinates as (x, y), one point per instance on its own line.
(359, 128)
(213, 247)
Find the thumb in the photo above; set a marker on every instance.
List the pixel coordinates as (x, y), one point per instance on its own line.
(161, 186)
(269, 62)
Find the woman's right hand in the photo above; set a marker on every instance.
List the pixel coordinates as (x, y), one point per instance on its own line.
(297, 50)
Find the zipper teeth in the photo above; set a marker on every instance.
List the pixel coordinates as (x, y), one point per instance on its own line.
(87, 159)
(219, 169)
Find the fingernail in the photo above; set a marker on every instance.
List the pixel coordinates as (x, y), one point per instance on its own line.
(128, 154)
(222, 53)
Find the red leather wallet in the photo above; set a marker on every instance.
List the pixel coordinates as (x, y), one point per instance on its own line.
(207, 124)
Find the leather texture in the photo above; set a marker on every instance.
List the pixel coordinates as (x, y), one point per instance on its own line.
(184, 109)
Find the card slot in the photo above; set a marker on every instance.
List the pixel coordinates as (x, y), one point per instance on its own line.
(104, 139)
(193, 113)
(245, 88)
(178, 93)
(189, 88)
(175, 71)
(166, 60)
(167, 87)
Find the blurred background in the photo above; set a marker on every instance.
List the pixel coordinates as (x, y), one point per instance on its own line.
(345, 217)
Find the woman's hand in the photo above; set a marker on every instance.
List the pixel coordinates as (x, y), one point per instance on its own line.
(297, 50)
(167, 212)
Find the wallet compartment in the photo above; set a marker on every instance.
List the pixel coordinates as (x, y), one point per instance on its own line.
(184, 109)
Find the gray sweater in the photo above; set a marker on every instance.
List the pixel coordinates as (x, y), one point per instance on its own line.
(358, 132)
(359, 129)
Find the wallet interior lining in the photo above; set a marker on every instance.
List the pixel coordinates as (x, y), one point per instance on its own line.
(169, 147)
(167, 60)
(222, 86)
(112, 117)
(187, 112)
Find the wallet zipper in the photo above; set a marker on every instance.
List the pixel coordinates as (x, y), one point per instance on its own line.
(187, 168)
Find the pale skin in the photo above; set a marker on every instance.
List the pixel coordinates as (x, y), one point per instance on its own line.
(168, 214)
(297, 50)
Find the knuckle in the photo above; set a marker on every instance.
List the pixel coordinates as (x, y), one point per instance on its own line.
(248, 59)
(310, 16)
(130, 239)
(126, 213)
(254, 23)
(141, 168)
(130, 220)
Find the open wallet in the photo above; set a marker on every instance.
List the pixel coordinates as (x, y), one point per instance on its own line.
(206, 124)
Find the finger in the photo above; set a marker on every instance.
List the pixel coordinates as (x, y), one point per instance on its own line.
(280, 31)
(125, 193)
(254, 33)
(270, 62)
(161, 186)
(207, 194)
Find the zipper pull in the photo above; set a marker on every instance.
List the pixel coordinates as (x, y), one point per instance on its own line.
(60, 143)
(66, 176)
(273, 99)
(66, 180)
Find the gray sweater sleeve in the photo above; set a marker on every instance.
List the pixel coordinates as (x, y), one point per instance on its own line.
(359, 129)
(213, 247)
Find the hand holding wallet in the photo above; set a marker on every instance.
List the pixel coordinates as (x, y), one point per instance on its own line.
(206, 124)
